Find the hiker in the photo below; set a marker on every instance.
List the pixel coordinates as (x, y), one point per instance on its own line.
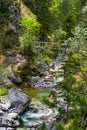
(46, 41)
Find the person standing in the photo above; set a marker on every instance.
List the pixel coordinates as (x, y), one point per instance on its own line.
(46, 41)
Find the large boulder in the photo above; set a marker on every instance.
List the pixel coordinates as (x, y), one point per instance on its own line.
(12, 106)
(18, 100)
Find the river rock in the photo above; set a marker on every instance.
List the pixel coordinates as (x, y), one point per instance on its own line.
(4, 128)
(5, 106)
(44, 70)
(34, 80)
(44, 84)
(40, 82)
(8, 82)
(15, 79)
(9, 119)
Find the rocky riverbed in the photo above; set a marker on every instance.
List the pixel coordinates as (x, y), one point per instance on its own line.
(39, 113)
(16, 104)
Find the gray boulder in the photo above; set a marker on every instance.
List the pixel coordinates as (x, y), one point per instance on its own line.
(18, 100)
(11, 107)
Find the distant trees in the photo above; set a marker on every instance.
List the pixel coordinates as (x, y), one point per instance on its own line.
(53, 15)
(4, 11)
(63, 21)
(66, 13)
(9, 24)
(41, 9)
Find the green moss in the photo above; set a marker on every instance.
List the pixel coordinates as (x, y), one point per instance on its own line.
(3, 90)
(38, 93)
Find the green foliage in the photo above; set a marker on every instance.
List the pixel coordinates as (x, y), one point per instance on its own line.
(59, 126)
(30, 47)
(3, 90)
(25, 69)
(78, 104)
(8, 21)
(43, 126)
(49, 103)
(75, 128)
(8, 41)
(44, 16)
(30, 25)
(4, 10)
(28, 41)
(47, 59)
(77, 52)
(78, 41)
(76, 98)
(66, 14)
(75, 89)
